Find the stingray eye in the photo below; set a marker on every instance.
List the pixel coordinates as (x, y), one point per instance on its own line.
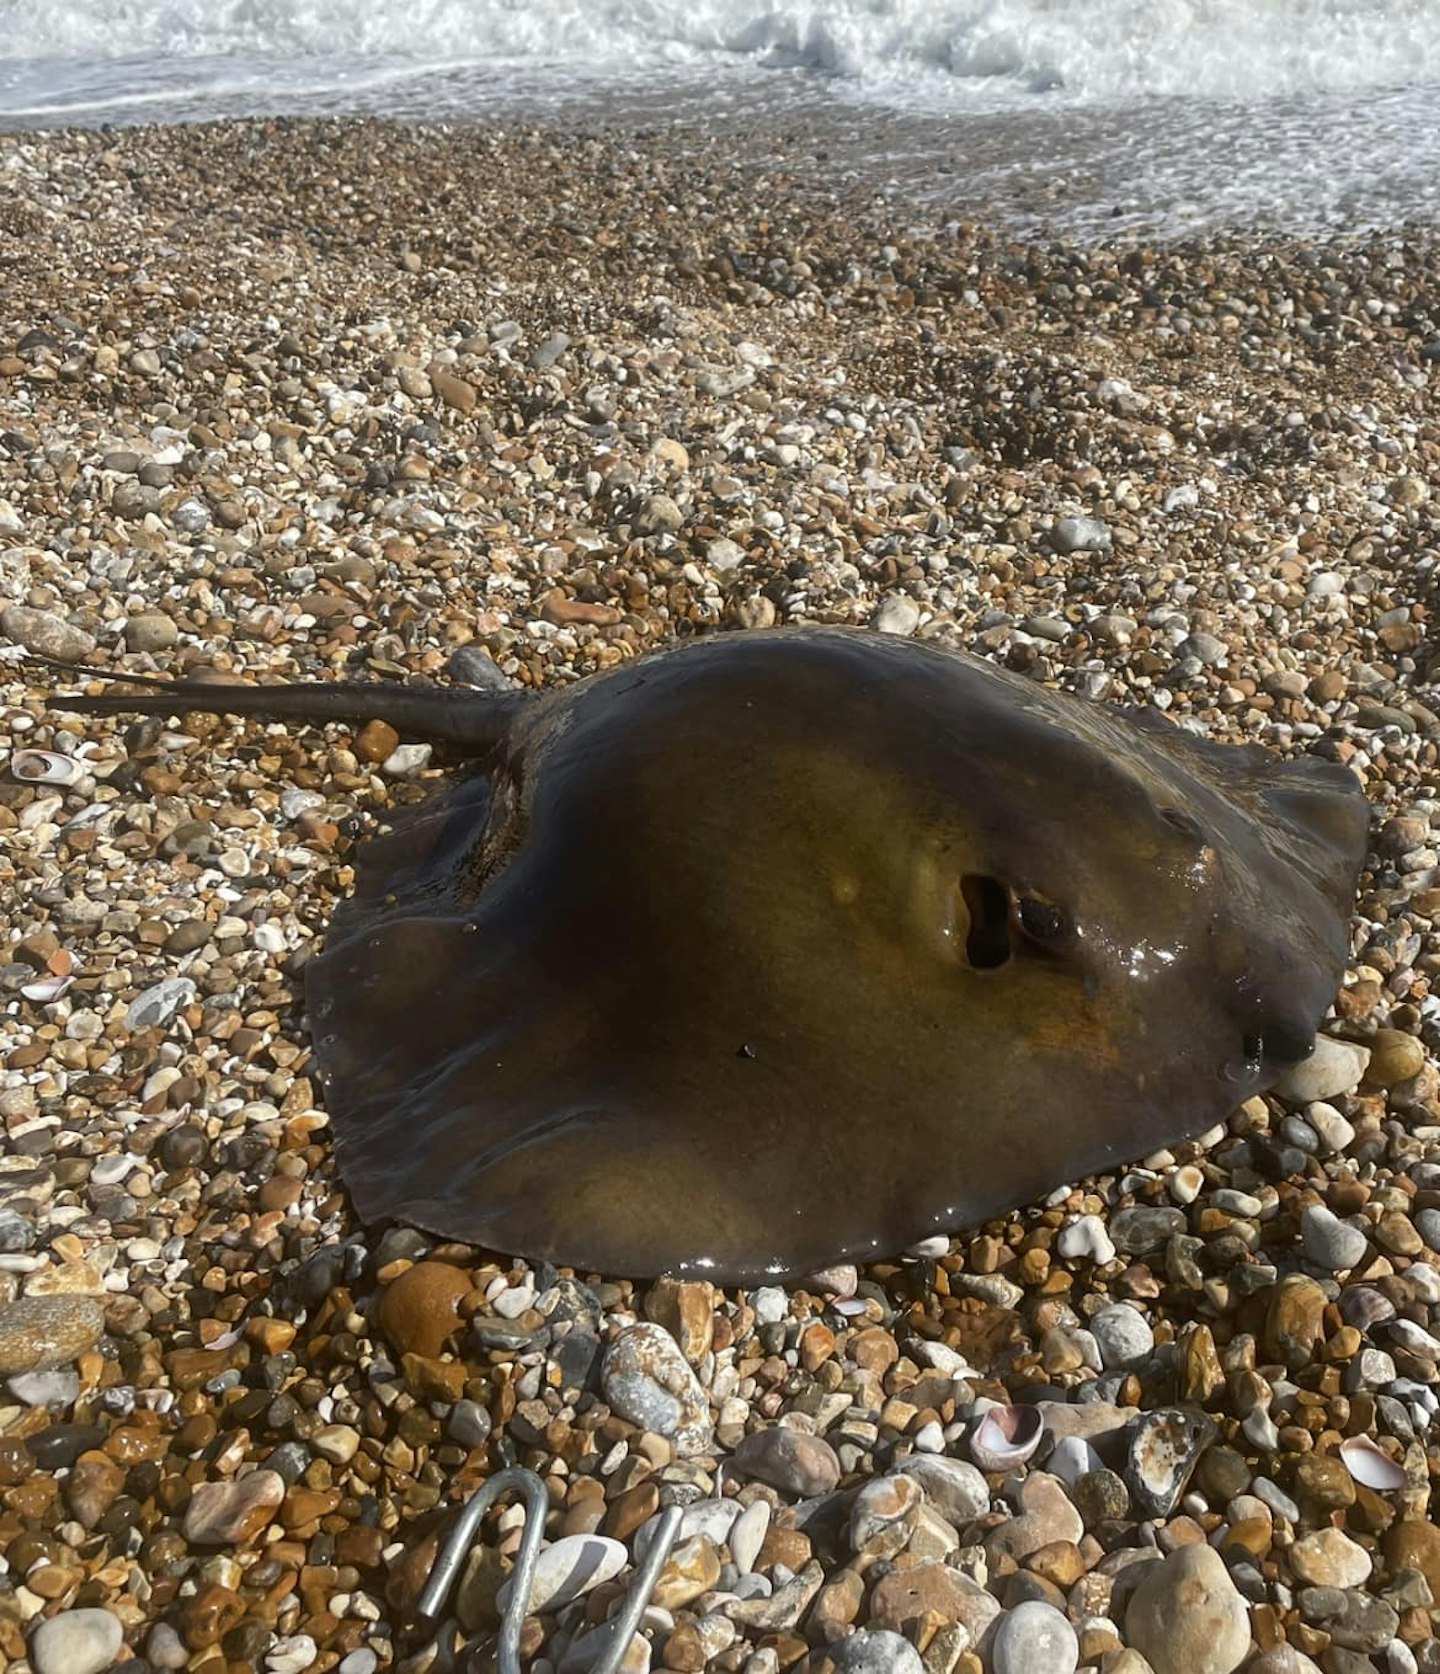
(1186, 824)
(1040, 920)
(987, 901)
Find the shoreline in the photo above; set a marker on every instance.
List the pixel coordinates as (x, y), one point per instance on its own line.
(289, 399)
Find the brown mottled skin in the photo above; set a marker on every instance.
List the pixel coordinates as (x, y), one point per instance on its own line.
(787, 947)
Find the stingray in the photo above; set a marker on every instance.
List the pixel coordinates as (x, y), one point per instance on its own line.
(782, 948)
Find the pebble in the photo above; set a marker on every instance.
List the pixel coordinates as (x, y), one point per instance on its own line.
(1123, 1334)
(569, 1567)
(1034, 1638)
(1330, 1242)
(789, 1460)
(233, 1513)
(1164, 1447)
(46, 634)
(41, 1332)
(1329, 1558)
(418, 1310)
(645, 1378)
(1333, 1067)
(1085, 1239)
(1081, 534)
(899, 614)
(155, 1007)
(876, 1651)
(1186, 1615)
(957, 1489)
(76, 1642)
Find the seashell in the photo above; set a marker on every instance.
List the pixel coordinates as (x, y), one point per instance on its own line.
(1370, 1465)
(47, 988)
(46, 767)
(1006, 1437)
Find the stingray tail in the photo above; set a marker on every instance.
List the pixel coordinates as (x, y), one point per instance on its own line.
(475, 721)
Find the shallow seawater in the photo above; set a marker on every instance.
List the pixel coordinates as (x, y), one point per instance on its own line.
(1305, 116)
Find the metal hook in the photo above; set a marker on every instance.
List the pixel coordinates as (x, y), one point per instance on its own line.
(528, 1486)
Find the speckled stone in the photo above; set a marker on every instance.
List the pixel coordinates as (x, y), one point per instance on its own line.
(1186, 1615)
(645, 1378)
(38, 1332)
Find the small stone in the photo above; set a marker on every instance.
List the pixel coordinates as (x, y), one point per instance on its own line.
(1164, 1448)
(547, 353)
(1294, 1321)
(164, 1648)
(1330, 1242)
(880, 1514)
(76, 1642)
(1394, 1057)
(1186, 1616)
(1329, 1558)
(571, 1566)
(876, 1651)
(1046, 1516)
(908, 1596)
(790, 1460)
(40, 1332)
(1086, 1239)
(1123, 1335)
(45, 634)
(956, 1488)
(469, 1424)
(375, 741)
(292, 1655)
(233, 1512)
(1415, 1544)
(151, 630)
(156, 1006)
(659, 515)
(1334, 1067)
(1100, 1497)
(747, 1535)
(692, 1568)
(1144, 1228)
(418, 1310)
(406, 760)
(454, 391)
(1081, 534)
(898, 614)
(686, 1309)
(1034, 1638)
(644, 1377)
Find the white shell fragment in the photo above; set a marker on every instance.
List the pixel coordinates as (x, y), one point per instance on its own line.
(1371, 1466)
(46, 988)
(1006, 1437)
(46, 767)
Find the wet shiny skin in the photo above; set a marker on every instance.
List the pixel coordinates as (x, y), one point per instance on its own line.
(787, 947)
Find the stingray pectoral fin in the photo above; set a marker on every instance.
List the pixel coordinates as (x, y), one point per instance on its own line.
(589, 1187)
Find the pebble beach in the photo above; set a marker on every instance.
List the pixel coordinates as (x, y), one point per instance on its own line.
(290, 400)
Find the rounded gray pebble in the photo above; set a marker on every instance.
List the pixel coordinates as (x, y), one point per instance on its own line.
(876, 1651)
(1123, 1335)
(76, 1642)
(1034, 1638)
(1330, 1242)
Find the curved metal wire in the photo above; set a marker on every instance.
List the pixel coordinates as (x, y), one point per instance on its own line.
(619, 1631)
(531, 1489)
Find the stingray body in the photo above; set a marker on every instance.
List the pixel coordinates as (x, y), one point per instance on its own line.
(787, 947)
